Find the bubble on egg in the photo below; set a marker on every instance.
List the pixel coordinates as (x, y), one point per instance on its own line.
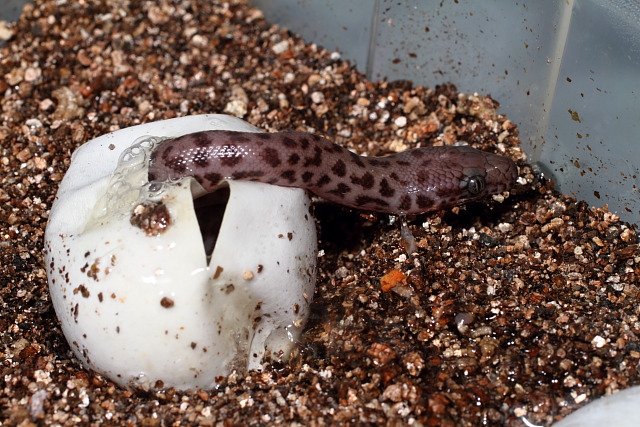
(153, 287)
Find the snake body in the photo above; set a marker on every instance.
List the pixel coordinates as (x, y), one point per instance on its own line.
(411, 182)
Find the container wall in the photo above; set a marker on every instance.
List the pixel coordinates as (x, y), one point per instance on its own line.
(593, 138)
(10, 9)
(345, 26)
(566, 71)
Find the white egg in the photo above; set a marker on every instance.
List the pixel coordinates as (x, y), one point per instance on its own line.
(619, 409)
(137, 294)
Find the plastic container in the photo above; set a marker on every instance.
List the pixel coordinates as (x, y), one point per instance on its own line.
(11, 9)
(566, 71)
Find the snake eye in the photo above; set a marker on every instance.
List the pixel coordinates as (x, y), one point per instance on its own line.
(475, 184)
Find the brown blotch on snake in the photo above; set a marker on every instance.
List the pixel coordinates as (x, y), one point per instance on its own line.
(412, 182)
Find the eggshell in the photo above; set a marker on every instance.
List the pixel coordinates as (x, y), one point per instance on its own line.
(128, 273)
(619, 409)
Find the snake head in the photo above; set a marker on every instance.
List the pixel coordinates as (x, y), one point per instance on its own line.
(487, 174)
(454, 175)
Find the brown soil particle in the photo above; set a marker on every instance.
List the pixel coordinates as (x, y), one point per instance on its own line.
(524, 308)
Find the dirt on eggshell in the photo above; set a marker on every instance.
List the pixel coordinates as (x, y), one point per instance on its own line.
(516, 310)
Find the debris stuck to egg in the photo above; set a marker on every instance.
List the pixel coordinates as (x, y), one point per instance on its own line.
(151, 285)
